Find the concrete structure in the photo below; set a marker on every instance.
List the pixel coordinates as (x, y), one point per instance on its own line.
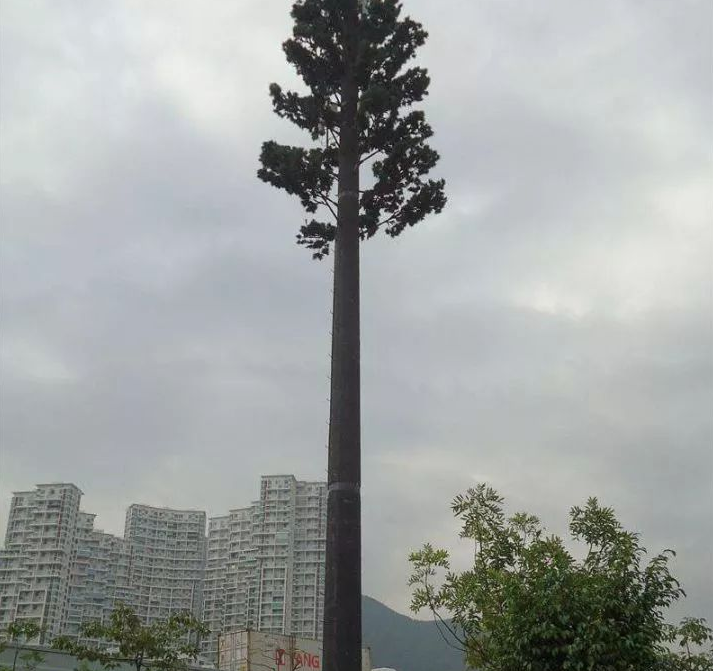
(35, 565)
(260, 567)
(265, 565)
(99, 576)
(214, 585)
(60, 572)
(167, 560)
(309, 540)
(248, 650)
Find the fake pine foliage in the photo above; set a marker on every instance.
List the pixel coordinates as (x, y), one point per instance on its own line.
(527, 602)
(392, 133)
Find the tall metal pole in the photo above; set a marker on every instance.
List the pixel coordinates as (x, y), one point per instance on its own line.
(342, 598)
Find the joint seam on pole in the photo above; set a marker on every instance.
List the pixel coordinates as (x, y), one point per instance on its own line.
(344, 486)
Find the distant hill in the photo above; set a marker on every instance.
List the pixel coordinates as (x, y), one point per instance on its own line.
(405, 644)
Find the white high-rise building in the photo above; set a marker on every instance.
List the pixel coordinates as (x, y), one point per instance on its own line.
(266, 562)
(214, 585)
(35, 565)
(99, 576)
(308, 559)
(167, 560)
(260, 567)
(241, 574)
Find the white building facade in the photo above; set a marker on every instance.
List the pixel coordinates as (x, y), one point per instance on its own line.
(259, 567)
(266, 563)
(214, 585)
(99, 576)
(167, 560)
(35, 565)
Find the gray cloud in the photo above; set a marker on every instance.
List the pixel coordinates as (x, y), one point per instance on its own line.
(165, 341)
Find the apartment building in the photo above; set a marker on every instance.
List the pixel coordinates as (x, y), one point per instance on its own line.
(258, 567)
(35, 565)
(242, 577)
(289, 531)
(99, 576)
(267, 563)
(167, 560)
(214, 585)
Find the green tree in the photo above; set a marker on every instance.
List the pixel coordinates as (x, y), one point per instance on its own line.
(358, 109)
(692, 648)
(164, 646)
(527, 602)
(18, 636)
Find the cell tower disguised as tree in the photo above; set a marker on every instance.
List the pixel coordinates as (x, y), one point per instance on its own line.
(353, 56)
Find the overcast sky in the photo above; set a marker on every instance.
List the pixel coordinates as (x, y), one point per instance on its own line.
(165, 341)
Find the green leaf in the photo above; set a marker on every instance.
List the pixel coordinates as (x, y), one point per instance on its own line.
(528, 603)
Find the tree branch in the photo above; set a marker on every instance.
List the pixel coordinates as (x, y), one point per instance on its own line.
(335, 135)
(437, 615)
(324, 198)
(328, 203)
(388, 219)
(373, 153)
(438, 618)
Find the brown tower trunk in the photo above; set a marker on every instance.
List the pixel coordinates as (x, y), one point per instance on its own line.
(342, 598)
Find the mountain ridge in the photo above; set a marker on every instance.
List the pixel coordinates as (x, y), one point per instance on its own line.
(402, 643)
